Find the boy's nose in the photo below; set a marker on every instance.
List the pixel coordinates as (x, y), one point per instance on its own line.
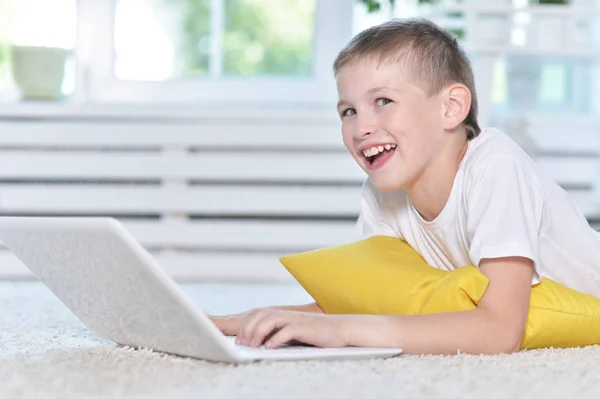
(365, 125)
(364, 131)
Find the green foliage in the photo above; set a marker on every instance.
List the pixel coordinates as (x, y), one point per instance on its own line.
(375, 5)
(261, 36)
(372, 5)
(5, 76)
(267, 37)
(195, 45)
(458, 33)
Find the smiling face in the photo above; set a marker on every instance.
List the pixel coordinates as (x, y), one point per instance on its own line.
(390, 126)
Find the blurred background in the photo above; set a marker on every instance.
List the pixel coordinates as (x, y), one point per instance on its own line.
(209, 126)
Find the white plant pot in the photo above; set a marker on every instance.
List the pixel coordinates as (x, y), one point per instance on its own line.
(39, 72)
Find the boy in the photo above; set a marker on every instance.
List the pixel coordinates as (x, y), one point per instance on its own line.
(457, 194)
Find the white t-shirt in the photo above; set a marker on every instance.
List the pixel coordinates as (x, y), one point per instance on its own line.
(500, 205)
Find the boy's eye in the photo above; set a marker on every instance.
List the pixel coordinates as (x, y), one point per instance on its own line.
(383, 101)
(348, 112)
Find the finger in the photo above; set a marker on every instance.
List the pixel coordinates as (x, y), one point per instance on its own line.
(248, 325)
(266, 327)
(286, 334)
(227, 325)
(305, 333)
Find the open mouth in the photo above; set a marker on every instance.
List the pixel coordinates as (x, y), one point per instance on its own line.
(377, 156)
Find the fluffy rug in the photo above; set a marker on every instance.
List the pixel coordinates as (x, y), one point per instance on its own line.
(45, 352)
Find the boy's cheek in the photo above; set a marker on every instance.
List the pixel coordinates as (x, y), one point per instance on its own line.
(348, 142)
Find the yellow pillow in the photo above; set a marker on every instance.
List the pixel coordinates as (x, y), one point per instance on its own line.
(384, 275)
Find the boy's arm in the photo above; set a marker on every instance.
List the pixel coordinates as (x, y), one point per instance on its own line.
(505, 210)
(309, 307)
(496, 326)
(504, 217)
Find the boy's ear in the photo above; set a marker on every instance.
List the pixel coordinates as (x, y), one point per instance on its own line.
(457, 103)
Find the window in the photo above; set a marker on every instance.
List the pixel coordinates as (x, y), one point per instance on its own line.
(184, 51)
(537, 58)
(185, 39)
(216, 52)
(213, 51)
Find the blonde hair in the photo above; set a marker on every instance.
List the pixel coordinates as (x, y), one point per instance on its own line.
(431, 54)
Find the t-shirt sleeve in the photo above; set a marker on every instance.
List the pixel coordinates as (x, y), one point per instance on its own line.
(504, 213)
(373, 218)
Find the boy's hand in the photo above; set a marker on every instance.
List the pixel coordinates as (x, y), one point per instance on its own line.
(229, 325)
(274, 327)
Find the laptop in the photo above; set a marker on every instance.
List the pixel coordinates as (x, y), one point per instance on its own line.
(118, 290)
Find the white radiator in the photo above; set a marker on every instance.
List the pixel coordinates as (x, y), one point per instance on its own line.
(217, 195)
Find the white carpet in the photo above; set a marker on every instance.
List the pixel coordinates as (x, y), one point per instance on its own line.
(45, 352)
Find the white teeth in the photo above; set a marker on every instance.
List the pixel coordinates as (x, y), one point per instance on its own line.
(377, 149)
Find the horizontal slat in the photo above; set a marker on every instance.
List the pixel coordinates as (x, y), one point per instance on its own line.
(574, 133)
(588, 201)
(219, 247)
(143, 134)
(232, 166)
(50, 111)
(236, 235)
(261, 235)
(213, 166)
(571, 135)
(219, 200)
(582, 171)
(565, 134)
(240, 236)
(246, 267)
(202, 200)
(565, 124)
(571, 143)
(222, 201)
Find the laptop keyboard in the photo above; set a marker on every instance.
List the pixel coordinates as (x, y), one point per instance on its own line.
(307, 352)
(262, 348)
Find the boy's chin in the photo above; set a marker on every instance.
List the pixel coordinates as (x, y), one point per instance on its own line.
(385, 185)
